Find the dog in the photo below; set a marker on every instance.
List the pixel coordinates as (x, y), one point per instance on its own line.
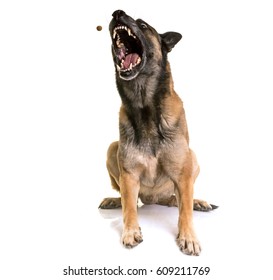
(152, 160)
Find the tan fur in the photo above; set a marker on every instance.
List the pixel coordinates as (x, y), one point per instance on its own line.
(160, 169)
(138, 175)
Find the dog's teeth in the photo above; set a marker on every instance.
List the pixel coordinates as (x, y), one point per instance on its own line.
(120, 27)
(131, 66)
(138, 60)
(114, 34)
(118, 68)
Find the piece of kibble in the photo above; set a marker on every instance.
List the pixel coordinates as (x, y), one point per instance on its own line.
(99, 27)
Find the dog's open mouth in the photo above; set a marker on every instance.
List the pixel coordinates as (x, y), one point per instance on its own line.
(128, 51)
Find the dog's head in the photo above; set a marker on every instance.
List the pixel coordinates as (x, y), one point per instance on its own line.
(135, 44)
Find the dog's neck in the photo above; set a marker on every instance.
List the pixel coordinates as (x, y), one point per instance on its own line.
(142, 103)
(146, 89)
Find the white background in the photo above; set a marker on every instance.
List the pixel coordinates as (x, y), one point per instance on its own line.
(59, 112)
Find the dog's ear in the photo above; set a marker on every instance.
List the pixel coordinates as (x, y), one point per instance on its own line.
(170, 39)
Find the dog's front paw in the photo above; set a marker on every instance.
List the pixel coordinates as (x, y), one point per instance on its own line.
(131, 237)
(188, 244)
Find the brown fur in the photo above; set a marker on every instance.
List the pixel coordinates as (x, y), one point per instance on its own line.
(152, 160)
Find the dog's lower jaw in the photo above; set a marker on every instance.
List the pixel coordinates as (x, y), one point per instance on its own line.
(129, 78)
(131, 237)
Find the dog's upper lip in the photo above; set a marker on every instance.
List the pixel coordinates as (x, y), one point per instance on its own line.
(118, 27)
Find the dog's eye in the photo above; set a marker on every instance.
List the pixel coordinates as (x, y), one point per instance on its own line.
(143, 25)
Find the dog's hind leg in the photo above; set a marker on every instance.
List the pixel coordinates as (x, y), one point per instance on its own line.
(110, 203)
(198, 204)
(201, 205)
(112, 167)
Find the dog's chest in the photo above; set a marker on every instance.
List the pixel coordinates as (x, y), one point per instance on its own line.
(150, 171)
(146, 167)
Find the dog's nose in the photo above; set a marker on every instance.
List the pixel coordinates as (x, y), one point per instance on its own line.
(117, 14)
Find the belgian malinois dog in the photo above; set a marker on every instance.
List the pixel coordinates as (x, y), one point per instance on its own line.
(152, 160)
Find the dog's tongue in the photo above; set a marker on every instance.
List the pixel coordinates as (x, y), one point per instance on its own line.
(130, 58)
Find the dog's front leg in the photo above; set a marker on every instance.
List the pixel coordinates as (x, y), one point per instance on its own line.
(186, 238)
(129, 189)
